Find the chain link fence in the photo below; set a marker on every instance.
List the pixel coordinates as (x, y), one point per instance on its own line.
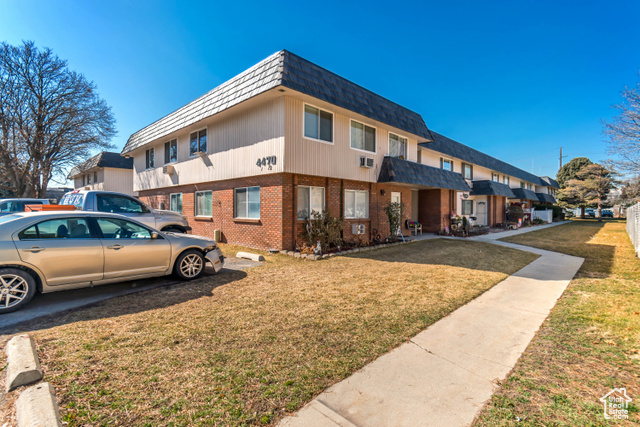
(633, 226)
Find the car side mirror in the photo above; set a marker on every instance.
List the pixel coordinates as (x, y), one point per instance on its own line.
(154, 235)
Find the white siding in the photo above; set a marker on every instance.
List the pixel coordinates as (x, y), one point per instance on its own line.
(120, 180)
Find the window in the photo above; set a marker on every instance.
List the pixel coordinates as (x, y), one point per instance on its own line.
(356, 204)
(150, 158)
(198, 142)
(522, 184)
(397, 146)
(419, 155)
(113, 228)
(171, 151)
(310, 199)
(95, 176)
(83, 180)
(467, 171)
(446, 164)
(505, 179)
(120, 204)
(495, 177)
(64, 228)
(467, 207)
(528, 186)
(318, 124)
(363, 137)
(203, 203)
(247, 203)
(88, 178)
(175, 202)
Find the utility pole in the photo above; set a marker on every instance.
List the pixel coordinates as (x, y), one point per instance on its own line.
(560, 161)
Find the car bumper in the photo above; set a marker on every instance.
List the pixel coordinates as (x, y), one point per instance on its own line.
(216, 259)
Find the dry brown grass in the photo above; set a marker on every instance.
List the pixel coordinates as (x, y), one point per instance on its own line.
(590, 342)
(249, 347)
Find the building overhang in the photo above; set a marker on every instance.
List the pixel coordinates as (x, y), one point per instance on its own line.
(546, 198)
(523, 194)
(398, 171)
(491, 188)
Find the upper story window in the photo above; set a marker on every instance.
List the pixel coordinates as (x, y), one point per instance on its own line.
(467, 171)
(356, 204)
(95, 176)
(523, 185)
(505, 179)
(198, 142)
(495, 177)
(247, 203)
(310, 199)
(446, 164)
(529, 186)
(318, 124)
(171, 151)
(89, 179)
(363, 137)
(397, 146)
(150, 160)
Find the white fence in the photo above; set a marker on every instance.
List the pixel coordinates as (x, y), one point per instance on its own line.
(546, 216)
(633, 226)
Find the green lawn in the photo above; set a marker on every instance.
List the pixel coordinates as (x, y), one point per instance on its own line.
(589, 344)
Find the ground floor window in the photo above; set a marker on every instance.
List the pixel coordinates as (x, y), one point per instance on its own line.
(203, 203)
(467, 207)
(356, 204)
(310, 199)
(175, 202)
(247, 202)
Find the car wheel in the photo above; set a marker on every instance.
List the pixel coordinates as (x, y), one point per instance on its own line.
(190, 265)
(17, 287)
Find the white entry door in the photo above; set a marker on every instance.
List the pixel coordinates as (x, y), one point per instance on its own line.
(481, 214)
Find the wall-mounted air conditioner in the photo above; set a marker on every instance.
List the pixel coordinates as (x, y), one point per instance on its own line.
(168, 169)
(366, 162)
(358, 229)
(199, 153)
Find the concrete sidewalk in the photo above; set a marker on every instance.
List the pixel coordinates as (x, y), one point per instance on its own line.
(445, 374)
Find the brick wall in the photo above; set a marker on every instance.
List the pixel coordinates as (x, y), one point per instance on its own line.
(434, 209)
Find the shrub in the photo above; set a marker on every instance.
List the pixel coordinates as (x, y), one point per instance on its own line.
(324, 228)
(395, 212)
(515, 213)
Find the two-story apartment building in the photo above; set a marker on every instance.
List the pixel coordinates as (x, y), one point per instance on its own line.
(253, 157)
(105, 171)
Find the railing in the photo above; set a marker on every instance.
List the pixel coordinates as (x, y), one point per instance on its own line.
(633, 226)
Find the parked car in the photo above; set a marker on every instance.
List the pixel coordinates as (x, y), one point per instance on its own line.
(123, 204)
(607, 213)
(589, 213)
(58, 250)
(8, 206)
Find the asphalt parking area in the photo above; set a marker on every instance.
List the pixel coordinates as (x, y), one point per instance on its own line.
(57, 302)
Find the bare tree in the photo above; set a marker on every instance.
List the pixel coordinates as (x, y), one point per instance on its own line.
(50, 117)
(624, 132)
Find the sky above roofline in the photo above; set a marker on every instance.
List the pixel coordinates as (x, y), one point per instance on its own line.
(515, 80)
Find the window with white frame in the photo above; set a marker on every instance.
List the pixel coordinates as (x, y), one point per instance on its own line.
(150, 159)
(95, 176)
(505, 179)
(203, 203)
(198, 142)
(529, 186)
(356, 204)
(467, 207)
(397, 146)
(318, 124)
(175, 202)
(363, 137)
(446, 164)
(310, 199)
(171, 151)
(522, 184)
(495, 177)
(89, 179)
(467, 171)
(247, 203)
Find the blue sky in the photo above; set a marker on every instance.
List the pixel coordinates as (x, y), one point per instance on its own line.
(514, 79)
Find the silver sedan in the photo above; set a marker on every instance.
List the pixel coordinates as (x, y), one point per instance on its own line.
(54, 251)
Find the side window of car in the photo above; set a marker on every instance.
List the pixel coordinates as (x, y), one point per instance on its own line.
(62, 228)
(119, 204)
(113, 228)
(4, 207)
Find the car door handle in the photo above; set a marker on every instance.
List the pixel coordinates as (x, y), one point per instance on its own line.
(34, 249)
(116, 247)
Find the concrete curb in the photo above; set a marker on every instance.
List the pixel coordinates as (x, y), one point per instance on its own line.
(252, 257)
(37, 406)
(23, 366)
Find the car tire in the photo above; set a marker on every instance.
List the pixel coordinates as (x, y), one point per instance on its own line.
(17, 287)
(189, 265)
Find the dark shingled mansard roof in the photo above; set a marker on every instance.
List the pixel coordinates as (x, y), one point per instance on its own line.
(543, 197)
(549, 182)
(524, 194)
(458, 150)
(286, 69)
(491, 188)
(105, 159)
(406, 172)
